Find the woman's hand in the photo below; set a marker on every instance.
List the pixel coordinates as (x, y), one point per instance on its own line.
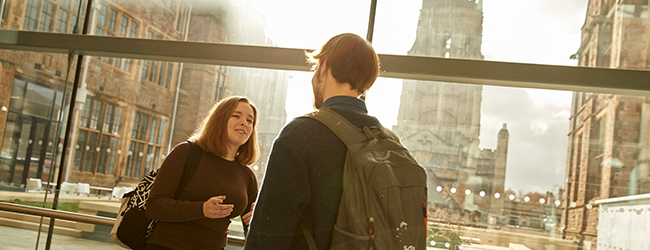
(246, 218)
(213, 208)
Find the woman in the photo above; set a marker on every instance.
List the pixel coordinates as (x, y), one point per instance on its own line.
(222, 187)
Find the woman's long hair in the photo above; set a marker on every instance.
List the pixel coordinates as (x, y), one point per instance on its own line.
(212, 134)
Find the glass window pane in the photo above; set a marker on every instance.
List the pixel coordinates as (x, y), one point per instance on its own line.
(136, 123)
(103, 154)
(112, 156)
(79, 150)
(160, 132)
(62, 21)
(127, 64)
(144, 125)
(124, 23)
(117, 123)
(101, 18)
(95, 115)
(215, 91)
(156, 156)
(38, 100)
(108, 118)
(168, 78)
(91, 152)
(152, 74)
(161, 77)
(58, 104)
(132, 29)
(484, 30)
(139, 153)
(149, 160)
(73, 22)
(17, 95)
(66, 4)
(99, 31)
(129, 160)
(3, 14)
(145, 69)
(85, 113)
(31, 15)
(77, 4)
(153, 130)
(180, 18)
(47, 16)
(112, 20)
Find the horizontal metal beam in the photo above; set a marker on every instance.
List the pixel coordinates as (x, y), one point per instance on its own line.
(603, 80)
(57, 214)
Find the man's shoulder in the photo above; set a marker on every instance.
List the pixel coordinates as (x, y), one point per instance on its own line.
(301, 125)
(358, 119)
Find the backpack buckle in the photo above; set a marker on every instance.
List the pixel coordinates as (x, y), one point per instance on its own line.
(368, 133)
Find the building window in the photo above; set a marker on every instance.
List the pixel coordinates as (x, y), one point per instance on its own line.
(3, 15)
(145, 144)
(155, 71)
(96, 149)
(168, 78)
(180, 18)
(220, 83)
(110, 22)
(31, 15)
(62, 21)
(48, 16)
(132, 27)
(78, 9)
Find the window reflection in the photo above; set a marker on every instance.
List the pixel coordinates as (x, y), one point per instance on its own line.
(127, 119)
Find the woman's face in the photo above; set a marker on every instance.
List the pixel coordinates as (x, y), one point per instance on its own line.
(240, 125)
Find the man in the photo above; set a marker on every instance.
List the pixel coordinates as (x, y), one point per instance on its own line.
(303, 180)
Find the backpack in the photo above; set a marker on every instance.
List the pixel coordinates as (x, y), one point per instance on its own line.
(384, 200)
(132, 228)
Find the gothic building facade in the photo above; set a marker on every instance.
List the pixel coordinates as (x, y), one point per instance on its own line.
(440, 122)
(609, 145)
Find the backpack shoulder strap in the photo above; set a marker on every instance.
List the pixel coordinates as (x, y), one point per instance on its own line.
(344, 129)
(191, 164)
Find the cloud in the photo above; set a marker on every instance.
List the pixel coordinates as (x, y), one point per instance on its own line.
(537, 127)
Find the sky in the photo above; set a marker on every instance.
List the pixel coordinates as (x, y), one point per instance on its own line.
(530, 31)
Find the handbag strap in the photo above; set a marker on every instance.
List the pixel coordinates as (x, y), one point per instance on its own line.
(191, 164)
(309, 238)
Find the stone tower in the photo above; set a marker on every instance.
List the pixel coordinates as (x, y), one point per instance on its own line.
(440, 122)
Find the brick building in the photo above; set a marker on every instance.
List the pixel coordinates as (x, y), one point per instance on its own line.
(440, 122)
(128, 113)
(608, 140)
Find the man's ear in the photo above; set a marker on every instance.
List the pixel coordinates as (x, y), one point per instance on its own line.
(323, 69)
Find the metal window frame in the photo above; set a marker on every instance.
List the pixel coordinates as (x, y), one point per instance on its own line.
(570, 78)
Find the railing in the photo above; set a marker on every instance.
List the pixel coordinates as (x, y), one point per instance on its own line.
(91, 219)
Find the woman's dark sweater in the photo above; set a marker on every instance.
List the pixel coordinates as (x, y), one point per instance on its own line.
(181, 223)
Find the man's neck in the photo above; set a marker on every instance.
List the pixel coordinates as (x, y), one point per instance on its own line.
(338, 89)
